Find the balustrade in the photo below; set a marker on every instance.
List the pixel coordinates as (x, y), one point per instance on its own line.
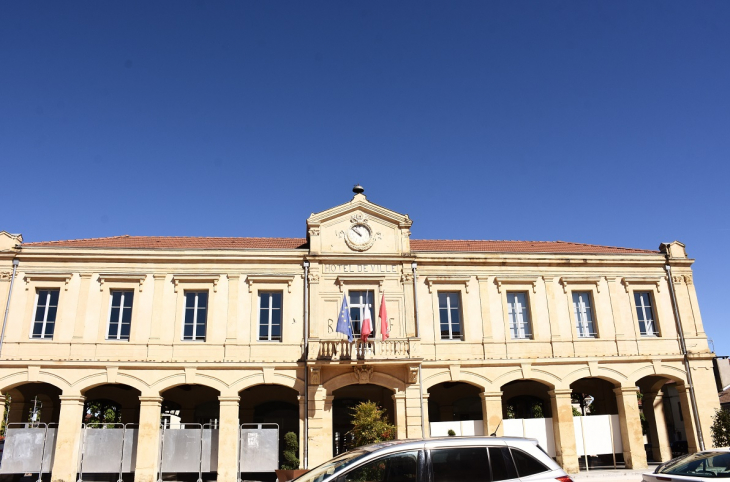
(365, 350)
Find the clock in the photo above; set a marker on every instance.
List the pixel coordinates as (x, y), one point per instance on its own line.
(359, 237)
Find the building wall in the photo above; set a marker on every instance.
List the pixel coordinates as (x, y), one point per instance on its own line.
(231, 359)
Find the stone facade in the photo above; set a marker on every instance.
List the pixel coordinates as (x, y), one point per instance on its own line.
(358, 246)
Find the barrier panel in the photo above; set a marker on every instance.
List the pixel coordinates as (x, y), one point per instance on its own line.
(258, 447)
(598, 435)
(539, 428)
(460, 428)
(109, 449)
(191, 448)
(29, 448)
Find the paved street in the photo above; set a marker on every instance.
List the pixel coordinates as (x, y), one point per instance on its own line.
(620, 475)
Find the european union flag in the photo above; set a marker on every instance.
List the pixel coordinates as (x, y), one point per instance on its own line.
(344, 323)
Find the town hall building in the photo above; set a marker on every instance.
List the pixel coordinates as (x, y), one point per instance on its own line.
(554, 340)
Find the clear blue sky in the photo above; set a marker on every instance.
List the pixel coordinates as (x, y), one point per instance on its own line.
(598, 122)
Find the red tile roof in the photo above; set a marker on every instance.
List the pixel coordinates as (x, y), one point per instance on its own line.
(519, 247)
(432, 245)
(175, 242)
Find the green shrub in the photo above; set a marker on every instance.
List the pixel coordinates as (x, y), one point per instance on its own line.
(369, 425)
(452, 433)
(291, 452)
(721, 428)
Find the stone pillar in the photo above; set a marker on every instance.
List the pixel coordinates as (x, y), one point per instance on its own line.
(685, 405)
(427, 421)
(228, 439)
(148, 439)
(630, 421)
(563, 430)
(492, 412)
(653, 404)
(399, 403)
(68, 438)
(320, 426)
(412, 422)
(2, 408)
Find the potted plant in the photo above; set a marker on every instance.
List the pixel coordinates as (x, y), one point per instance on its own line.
(290, 467)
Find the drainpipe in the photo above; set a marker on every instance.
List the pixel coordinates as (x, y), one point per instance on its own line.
(414, 265)
(305, 449)
(16, 262)
(683, 347)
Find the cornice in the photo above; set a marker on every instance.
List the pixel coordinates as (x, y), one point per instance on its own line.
(59, 276)
(270, 278)
(447, 279)
(137, 278)
(196, 278)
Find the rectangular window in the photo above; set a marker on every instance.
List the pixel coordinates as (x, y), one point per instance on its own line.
(361, 302)
(46, 307)
(120, 314)
(645, 313)
(270, 316)
(196, 314)
(465, 464)
(583, 314)
(519, 316)
(450, 316)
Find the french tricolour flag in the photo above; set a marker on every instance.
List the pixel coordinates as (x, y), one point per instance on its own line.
(367, 324)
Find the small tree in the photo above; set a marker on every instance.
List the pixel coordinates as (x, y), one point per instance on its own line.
(369, 425)
(721, 428)
(291, 452)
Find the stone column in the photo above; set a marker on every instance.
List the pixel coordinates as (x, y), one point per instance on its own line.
(68, 438)
(685, 405)
(630, 421)
(492, 412)
(228, 439)
(2, 408)
(427, 421)
(653, 404)
(563, 430)
(148, 439)
(320, 426)
(412, 422)
(399, 403)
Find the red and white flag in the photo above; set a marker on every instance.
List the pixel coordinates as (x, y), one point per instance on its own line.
(367, 324)
(384, 330)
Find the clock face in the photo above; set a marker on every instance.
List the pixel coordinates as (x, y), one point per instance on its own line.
(359, 234)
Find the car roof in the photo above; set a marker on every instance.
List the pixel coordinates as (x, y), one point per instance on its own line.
(445, 442)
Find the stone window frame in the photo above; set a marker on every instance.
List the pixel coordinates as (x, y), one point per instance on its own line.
(449, 284)
(122, 282)
(591, 285)
(191, 283)
(267, 284)
(527, 285)
(653, 287)
(44, 281)
(462, 325)
(268, 288)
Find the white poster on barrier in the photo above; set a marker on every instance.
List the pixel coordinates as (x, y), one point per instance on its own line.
(597, 435)
(538, 428)
(463, 428)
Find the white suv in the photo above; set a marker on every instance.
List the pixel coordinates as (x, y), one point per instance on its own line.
(449, 459)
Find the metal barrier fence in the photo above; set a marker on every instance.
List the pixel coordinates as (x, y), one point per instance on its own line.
(191, 448)
(108, 449)
(29, 448)
(258, 447)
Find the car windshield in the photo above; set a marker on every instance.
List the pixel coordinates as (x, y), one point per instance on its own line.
(703, 464)
(318, 474)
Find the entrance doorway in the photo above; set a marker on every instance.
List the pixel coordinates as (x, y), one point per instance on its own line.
(345, 400)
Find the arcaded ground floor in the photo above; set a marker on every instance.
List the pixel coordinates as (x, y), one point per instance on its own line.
(561, 399)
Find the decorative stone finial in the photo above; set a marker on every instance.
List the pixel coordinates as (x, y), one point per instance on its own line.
(358, 189)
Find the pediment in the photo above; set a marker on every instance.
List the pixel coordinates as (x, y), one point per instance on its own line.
(359, 227)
